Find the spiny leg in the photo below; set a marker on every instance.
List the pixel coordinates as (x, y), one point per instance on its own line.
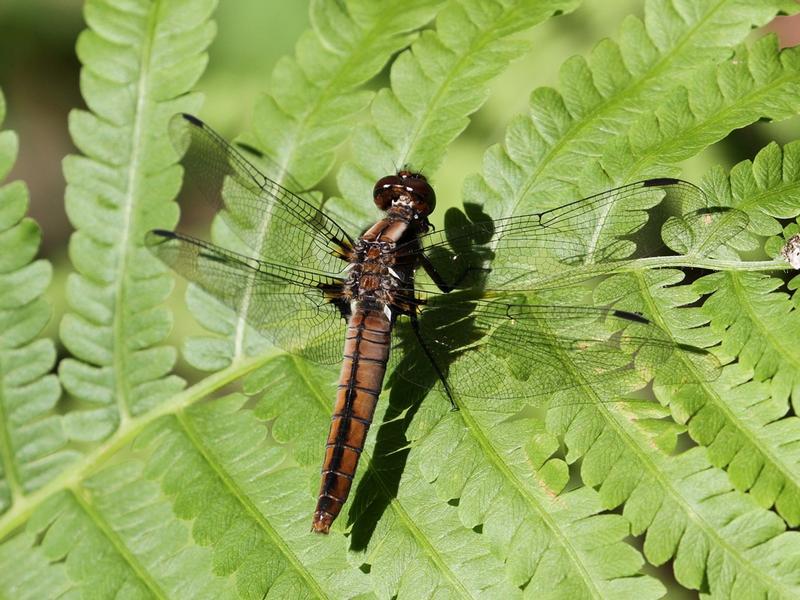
(415, 326)
(437, 278)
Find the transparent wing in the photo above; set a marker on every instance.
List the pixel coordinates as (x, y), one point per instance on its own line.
(580, 240)
(273, 222)
(505, 348)
(294, 308)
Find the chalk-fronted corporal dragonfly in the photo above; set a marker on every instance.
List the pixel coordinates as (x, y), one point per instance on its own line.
(498, 309)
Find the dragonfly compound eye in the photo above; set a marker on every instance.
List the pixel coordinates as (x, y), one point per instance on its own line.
(421, 191)
(386, 190)
(405, 186)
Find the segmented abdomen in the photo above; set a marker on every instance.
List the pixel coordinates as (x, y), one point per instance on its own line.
(366, 351)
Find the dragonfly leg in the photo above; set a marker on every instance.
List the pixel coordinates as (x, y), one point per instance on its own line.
(434, 274)
(429, 354)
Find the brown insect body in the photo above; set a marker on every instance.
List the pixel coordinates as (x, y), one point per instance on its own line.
(371, 289)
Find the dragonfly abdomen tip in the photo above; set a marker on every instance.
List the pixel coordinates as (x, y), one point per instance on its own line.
(321, 522)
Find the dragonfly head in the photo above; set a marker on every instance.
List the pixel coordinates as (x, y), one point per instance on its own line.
(408, 188)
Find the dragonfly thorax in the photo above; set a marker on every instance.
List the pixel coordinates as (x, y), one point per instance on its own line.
(373, 276)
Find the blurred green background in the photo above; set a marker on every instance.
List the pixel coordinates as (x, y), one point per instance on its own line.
(39, 75)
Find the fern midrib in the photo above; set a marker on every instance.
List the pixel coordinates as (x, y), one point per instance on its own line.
(120, 349)
(699, 262)
(473, 427)
(666, 485)
(105, 528)
(479, 42)
(620, 97)
(756, 201)
(241, 497)
(651, 156)
(757, 320)
(397, 508)
(10, 470)
(303, 124)
(125, 433)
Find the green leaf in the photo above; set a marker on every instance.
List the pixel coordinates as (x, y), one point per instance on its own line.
(552, 153)
(760, 82)
(437, 84)
(139, 60)
(33, 438)
(314, 101)
(180, 494)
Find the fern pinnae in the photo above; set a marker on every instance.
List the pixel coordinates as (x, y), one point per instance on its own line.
(746, 432)
(273, 538)
(442, 74)
(414, 517)
(315, 98)
(33, 439)
(741, 420)
(762, 81)
(687, 510)
(534, 529)
(619, 459)
(137, 58)
(601, 98)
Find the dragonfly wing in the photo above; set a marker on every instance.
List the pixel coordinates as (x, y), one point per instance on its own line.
(583, 239)
(294, 308)
(504, 348)
(273, 222)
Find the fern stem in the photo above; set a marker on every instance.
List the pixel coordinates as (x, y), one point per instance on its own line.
(21, 510)
(7, 457)
(707, 263)
(84, 502)
(132, 186)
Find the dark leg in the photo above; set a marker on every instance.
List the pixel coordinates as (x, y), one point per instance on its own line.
(426, 264)
(415, 326)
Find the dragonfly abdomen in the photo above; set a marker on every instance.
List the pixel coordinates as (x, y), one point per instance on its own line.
(366, 352)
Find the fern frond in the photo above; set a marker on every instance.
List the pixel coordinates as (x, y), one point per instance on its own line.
(441, 80)
(510, 484)
(552, 153)
(399, 524)
(688, 510)
(742, 418)
(184, 498)
(717, 537)
(315, 95)
(733, 415)
(139, 60)
(33, 438)
(314, 101)
(761, 82)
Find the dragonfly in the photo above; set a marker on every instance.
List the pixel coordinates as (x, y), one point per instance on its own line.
(496, 309)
